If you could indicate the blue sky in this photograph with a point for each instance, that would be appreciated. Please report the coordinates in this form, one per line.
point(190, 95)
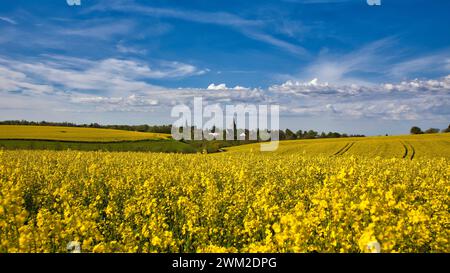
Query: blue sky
point(337, 65)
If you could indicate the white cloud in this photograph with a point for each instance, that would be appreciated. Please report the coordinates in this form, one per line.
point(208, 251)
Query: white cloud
point(108, 76)
point(223, 86)
point(109, 84)
point(407, 100)
point(115, 103)
point(129, 49)
point(11, 81)
point(117, 85)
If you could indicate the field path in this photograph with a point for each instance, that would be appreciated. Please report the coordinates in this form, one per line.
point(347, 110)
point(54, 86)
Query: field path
point(413, 151)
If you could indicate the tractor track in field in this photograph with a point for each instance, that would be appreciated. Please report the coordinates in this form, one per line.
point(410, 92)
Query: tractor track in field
point(406, 150)
point(341, 149)
point(409, 153)
point(348, 148)
point(344, 149)
point(413, 151)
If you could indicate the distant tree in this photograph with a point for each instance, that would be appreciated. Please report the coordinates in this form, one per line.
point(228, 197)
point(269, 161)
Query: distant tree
point(94, 125)
point(432, 131)
point(142, 128)
point(299, 134)
point(282, 135)
point(416, 130)
point(311, 134)
point(334, 135)
point(446, 130)
point(290, 134)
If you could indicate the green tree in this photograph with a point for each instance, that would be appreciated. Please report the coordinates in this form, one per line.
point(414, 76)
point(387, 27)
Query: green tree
point(447, 130)
point(432, 131)
point(416, 130)
point(290, 134)
point(282, 135)
point(311, 134)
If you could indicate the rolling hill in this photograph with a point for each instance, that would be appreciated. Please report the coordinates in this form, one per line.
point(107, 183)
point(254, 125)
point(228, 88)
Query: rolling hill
point(408, 146)
point(18, 132)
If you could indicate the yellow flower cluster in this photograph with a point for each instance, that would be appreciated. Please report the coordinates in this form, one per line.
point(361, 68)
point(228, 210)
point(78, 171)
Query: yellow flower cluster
point(239, 202)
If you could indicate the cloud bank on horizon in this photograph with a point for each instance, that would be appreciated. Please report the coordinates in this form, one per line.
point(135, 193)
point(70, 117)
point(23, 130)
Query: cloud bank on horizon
point(330, 65)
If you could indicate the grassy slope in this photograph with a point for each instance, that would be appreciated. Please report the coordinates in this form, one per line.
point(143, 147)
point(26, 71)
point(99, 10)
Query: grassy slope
point(73, 134)
point(165, 146)
point(408, 146)
point(16, 137)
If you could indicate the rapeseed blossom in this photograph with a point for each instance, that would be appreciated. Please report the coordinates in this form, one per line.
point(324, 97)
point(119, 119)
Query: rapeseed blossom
point(239, 202)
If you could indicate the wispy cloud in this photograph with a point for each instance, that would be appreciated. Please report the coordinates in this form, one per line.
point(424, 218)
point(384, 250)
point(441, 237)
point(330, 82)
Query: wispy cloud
point(260, 36)
point(110, 76)
point(130, 49)
point(344, 68)
point(436, 62)
point(8, 20)
point(372, 63)
point(253, 29)
point(99, 29)
point(15, 81)
point(218, 18)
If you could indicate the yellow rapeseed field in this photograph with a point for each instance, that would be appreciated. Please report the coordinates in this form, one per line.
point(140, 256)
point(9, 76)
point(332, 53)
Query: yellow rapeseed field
point(408, 146)
point(73, 134)
point(228, 202)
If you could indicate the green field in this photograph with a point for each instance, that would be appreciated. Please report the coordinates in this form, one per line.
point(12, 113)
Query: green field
point(157, 146)
point(27, 137)
point(408, 146)
point(73, 134)
point(13, 137)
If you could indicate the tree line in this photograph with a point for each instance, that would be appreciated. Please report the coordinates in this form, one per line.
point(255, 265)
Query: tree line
point(415, 130)
point(311, 134)
point(162, 129)
point(167, 129)
point(250, 135)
